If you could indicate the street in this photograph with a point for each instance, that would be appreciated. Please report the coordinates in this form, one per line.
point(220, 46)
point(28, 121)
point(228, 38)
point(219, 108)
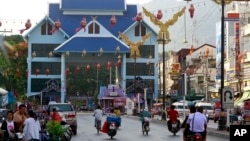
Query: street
point(130, 130)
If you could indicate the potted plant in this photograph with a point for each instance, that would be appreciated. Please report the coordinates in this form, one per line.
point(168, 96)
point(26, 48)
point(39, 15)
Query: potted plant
point(55, 130)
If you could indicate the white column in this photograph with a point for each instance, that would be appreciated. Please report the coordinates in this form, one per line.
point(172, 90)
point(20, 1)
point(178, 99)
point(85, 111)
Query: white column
point(63, 82)
point(145, 98)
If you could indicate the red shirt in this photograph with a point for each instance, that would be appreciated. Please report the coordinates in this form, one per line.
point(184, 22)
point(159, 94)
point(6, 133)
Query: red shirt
point(173, 115)
point(56, 116)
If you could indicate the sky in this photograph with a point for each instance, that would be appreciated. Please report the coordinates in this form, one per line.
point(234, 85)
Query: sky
point(14, 13)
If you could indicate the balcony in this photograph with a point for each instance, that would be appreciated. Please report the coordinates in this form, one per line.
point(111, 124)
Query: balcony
point(246, 30)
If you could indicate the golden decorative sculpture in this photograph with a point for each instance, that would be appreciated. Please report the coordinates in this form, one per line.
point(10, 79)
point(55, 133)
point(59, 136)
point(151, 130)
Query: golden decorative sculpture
point(134, 47)
point(163, 26)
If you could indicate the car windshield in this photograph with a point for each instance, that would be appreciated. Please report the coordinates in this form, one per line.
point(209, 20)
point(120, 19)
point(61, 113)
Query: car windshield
point(61, 107)
point(181, 107)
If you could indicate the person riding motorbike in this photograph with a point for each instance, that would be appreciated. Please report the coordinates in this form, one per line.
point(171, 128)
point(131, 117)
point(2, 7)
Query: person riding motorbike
point(173, 117)
point(198, 123)
point(192, 110)
point(145, 114)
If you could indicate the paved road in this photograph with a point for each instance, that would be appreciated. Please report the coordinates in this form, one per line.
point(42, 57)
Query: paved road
point(130, 130)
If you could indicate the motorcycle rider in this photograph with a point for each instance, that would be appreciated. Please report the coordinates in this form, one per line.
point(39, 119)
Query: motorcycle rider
point(192, 110)
point(145, 114)
point(198, 123)
point(173, 115)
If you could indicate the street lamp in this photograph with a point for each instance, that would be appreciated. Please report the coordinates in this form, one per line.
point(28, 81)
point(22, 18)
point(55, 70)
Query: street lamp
point(164, 41)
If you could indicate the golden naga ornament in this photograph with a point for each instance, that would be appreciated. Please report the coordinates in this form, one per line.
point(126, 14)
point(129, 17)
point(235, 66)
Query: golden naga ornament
point(134, 47)
point(164, 33)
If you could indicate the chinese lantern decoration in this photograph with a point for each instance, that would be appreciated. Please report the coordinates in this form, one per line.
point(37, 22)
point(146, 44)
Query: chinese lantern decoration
point(191, 10)
point(77, 70)
point(108, 65)
point(112, 21)
point(37, 72)
point(207, 53)
point(98, 66)
point(119, 63)
point(27, 73)
point(158, 15)
point(191, 50)
point(67, 71)
point(27, 26)
point(88, 68)
point(82, 25)
point(138, 17)
point(47, 72)
point(240, 58)
point(17, 72)
point(57, 26)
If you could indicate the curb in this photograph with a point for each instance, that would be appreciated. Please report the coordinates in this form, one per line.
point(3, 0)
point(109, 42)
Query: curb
point(210, 131)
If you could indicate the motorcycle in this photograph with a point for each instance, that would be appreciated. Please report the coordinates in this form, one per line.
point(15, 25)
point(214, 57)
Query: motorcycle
point(145, 126)
point(111, 129)
point(194, 137)
point(67, 134)
point(174, 127)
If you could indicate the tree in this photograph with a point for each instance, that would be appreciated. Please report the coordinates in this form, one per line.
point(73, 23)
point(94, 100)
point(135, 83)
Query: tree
point(13, 64)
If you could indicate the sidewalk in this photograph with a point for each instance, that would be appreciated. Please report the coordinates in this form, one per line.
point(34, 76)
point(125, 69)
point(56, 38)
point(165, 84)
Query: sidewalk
point(211, 129)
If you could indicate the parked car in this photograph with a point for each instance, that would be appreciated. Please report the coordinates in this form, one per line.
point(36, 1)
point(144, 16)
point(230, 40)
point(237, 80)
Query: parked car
point(68, 111)
point(84, 107)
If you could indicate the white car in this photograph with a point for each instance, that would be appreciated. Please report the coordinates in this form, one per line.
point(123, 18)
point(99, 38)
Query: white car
point(206, 106)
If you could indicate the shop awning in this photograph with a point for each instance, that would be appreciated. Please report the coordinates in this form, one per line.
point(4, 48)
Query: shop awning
point(246, 95)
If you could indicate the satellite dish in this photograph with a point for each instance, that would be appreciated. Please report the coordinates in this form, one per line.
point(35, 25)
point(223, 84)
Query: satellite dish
point(3, 91)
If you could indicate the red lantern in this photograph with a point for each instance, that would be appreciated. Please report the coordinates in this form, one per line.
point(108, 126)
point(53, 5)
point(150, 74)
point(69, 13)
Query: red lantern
point(77, 70)
point(47, 72)
point(17, 72)
point(27, 26)
point(191, 10)
point(67, 71)
point(191, 50)
point(119, 63)
point(108, 65)
point(112, 21)
point(37, 72)
point(27, 73)
point(139, 17)
point(159, 15)
point(82, 25)
point(98, 66)
point(207, 53)
point(88, 68)
point(57, 26)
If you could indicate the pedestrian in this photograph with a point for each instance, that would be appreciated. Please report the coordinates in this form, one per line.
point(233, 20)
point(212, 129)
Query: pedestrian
point(20, 116)
point(31, 127)
point(10, 127)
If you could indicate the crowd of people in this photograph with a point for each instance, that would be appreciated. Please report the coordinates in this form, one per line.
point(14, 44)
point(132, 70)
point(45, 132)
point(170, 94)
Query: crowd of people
point(26, 122)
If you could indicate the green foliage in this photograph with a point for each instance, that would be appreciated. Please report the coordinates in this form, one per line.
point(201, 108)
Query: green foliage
point(54, 128)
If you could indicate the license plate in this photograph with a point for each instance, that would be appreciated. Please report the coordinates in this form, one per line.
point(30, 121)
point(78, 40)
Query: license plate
point(111, 127)
point(174, 125)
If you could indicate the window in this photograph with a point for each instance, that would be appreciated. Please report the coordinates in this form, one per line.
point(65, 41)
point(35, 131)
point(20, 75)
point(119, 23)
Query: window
point(94, 28)
point(140, 30)
point(46, 28)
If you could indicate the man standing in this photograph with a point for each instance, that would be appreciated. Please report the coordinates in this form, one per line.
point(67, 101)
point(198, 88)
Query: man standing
point(19, 117)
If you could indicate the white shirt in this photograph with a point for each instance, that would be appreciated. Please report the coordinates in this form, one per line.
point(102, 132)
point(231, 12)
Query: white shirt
point(31, 129)
point(10, 126)
point(199, 121)
point(98, 114)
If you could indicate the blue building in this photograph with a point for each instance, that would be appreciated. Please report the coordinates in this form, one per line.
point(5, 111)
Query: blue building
point(51, 53)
